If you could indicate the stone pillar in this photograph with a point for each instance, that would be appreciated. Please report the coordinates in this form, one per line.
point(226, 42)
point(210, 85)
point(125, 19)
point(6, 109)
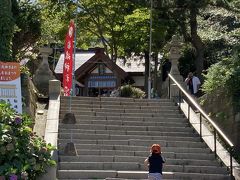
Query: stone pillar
point(173, 57)
point(237, 173)
point(54, 88)
point(43, 74)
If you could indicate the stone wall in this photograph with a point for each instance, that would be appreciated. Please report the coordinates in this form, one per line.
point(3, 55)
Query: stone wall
point(29, 95)
point(221, 110)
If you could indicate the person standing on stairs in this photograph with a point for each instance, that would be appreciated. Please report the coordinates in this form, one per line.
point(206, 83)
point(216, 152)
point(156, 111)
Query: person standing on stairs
point(193, 84)
point(154, 163)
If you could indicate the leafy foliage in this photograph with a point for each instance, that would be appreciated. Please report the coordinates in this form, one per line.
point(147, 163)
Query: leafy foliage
point(224, 74)
point(27, 28)
point(137, 22)
point(104, 19)
point(22, 153)
point(129, 91)
point(186, 62)
point(6, 30)
point(19, 29)
point(220, 30)
point(55, 20)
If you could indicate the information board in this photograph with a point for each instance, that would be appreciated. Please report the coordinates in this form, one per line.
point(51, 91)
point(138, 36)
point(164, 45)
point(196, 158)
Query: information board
point(10, 84)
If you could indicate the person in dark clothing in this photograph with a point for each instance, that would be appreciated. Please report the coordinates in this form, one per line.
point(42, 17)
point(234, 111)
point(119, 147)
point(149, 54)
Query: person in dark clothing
point(193, 83)
point(166, 69)
point(155, 163)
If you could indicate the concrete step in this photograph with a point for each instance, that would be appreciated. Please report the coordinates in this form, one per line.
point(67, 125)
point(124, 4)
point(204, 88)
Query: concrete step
point(200, 176)
point(98, 174)
point(125, 115)
point(136, 166)
point(126, 128)
point(122, 110)
point(122, 132)
point(124, 137)
point(75, 102)
point(172, 117)
point(103, 149)
point(147, 109)
point(109, 99)
point(86, 174)
point(83, 105)
point(133, 123)
point(170, 159)
point(138, 119)
point(171, 155)
point(94, 99)
point(136, 142)
point(164, 105)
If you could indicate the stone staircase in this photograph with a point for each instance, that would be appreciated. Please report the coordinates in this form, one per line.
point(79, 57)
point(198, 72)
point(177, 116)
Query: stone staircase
point(113, 135)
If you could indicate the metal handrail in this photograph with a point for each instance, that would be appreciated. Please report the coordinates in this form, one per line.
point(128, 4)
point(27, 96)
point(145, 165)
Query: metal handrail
point(203, 113)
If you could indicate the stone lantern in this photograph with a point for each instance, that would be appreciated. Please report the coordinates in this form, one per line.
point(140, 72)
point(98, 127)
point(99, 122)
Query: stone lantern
point(174, 55)
point(43, 74)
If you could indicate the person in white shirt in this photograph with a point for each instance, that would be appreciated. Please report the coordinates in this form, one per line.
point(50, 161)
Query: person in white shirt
point(193, 83)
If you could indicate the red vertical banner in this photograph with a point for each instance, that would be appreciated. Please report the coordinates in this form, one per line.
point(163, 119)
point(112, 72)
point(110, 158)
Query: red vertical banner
point(68, 60)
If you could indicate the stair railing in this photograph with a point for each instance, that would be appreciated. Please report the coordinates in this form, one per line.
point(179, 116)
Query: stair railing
point(216, 129)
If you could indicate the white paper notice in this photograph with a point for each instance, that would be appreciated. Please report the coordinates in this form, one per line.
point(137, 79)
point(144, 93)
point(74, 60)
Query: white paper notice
point(10, 84)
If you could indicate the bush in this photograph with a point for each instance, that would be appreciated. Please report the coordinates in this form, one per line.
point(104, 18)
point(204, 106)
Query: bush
point(129, 91)
point(224, 74)
point(126, 91)
point(23, 155)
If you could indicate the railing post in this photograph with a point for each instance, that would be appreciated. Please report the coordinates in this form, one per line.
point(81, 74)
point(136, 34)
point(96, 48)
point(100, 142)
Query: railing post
point(169, 86)
point(188, 112)
point(215, 142)
point(179, 99)
point(200, 126)
point(231, 166)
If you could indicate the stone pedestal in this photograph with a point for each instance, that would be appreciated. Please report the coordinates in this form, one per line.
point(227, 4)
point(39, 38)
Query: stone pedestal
point(54, 88)
point(237, 173)
point(70, 149)
point(43, 74)
point(69, 118)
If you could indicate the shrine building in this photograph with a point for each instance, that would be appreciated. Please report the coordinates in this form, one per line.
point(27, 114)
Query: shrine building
point(96, 74)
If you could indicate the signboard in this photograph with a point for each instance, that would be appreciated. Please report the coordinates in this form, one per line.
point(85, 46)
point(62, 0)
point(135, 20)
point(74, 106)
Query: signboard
point(68, 60)
point(10, 84)
point(105, 81)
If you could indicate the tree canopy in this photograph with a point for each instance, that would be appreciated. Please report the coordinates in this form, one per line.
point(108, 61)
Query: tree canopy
point(122, 27)
point(6, 30)
point(27, 29)
point(19, 28)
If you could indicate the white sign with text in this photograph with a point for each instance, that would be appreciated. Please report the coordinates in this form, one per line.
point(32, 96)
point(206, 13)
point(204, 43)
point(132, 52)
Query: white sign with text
point(10, 84)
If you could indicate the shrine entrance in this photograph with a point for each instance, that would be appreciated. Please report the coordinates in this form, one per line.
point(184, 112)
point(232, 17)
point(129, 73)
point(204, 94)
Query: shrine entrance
point(101, 85)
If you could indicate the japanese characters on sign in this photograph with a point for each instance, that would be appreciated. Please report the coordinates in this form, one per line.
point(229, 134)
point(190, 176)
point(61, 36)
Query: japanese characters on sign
point(68, 60)
point(10, 85)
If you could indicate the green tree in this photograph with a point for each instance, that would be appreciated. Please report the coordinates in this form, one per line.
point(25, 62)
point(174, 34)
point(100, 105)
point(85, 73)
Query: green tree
point(224, 74)
point(6, 30)
point(19, 28)
point(99, 23)
point(137, 29)
point(55, 19)
point(104, 19)
point(185, 13)
point(224, 34)
point(27, 29)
